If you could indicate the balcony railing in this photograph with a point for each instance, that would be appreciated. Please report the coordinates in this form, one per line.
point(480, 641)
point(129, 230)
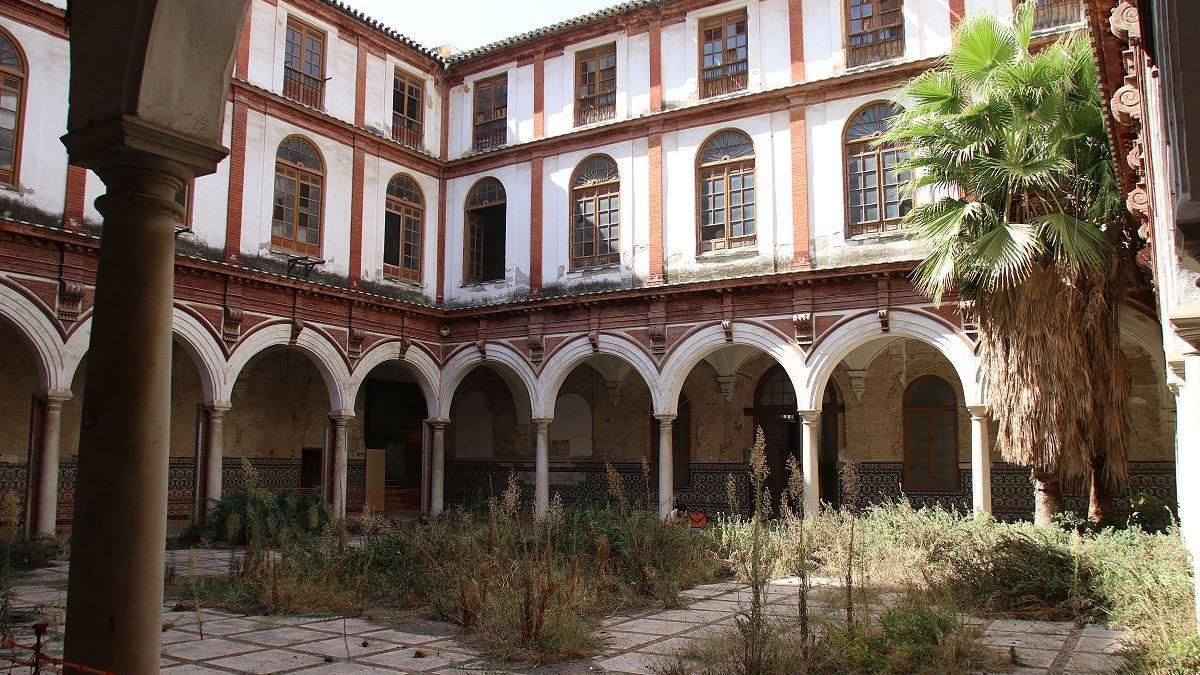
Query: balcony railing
point(492, 134)
point(1051, 14)
point(724, 79)
point(303, 88)
point(874, 52)
point(409, 134)
point(598, 109)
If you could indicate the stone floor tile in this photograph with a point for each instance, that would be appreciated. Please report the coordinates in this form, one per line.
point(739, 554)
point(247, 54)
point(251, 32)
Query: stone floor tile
point(350, 647)
point(285, 635)
point(669, 647)
point(619, 642)
point(401, 637)
point(1093, 663)
point(230, 626)
point(1039, 627)
point(1028, 640)
point(418, 659)
point(635, 663)
point(268, 661)
point(727, 606)
point(171, 636)
point(689, 615)
point(349, 626)
point(348, 668)
point(1036, 658)
point(1099, 645)
point(191, 669)
point(652, 627)
point(454, 645)
point(208, 648)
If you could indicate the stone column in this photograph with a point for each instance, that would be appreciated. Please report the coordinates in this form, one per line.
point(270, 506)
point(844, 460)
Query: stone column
point(115, 589)
point(666, 465)
point(541, 467)
point(810, 421)
point(45, 483)
point(981, 461)
point(213, 456)
point(339, 421)
point(437, 480)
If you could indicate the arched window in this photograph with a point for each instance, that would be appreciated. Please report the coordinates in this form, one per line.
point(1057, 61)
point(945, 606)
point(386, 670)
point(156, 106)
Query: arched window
point(299, 183)
point(930, 436)
point(775, 391)
point(725, 173)
point(875, 201)
point(402, 228)
point(486, 213)
point(12, 107)
point(596, 213)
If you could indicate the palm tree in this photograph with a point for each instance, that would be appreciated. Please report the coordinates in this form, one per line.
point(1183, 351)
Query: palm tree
point(1024, 220)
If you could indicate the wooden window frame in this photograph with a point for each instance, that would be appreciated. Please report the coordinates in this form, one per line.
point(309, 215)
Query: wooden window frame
point(594, 193)
point(296, 87)
point(601, 104)
point(407, 130)
point(734, 75)
point(293, 245)
point(13, 176)
point(727, 168)
point(409, 212)
point(877, 51)
point(905, 409)
point(863, 147)
point(473, 233)
point(189, 198)
point(490, 128)
point(1052, 15)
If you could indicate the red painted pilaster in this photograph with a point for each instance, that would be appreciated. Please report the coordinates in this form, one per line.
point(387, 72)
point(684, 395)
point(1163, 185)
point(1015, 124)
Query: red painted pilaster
point(654, 154)
point(237, 184)
point(958, 10)
point(356, 216)
point(76, 195)
point(796, 26)
point(539, 96)
point(535, 227)
point(360, 88)
point(441, 240)
point(801, 238)
point(242, 63)
point(656, 102)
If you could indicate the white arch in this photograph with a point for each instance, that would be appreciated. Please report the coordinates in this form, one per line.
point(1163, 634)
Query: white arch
point(419, 363)
point(208, 356)
point(512, 363)
point(700, 344)
point(579, 350)
point(324, 355)
point(40, 333)
point(902, 323)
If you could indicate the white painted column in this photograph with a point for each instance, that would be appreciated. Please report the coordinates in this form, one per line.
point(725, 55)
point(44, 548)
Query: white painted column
point(810, 421)
point(981, 461)
point(437, 471)
point(541, 467)
point(46, 499)
point(340, 463)
point(666, 465)
point(214, 455)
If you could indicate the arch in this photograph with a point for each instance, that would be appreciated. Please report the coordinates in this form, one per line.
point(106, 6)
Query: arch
point(323, 353)
point(485, 224)
point(930, 409)
point(579, 350)
point(206, 353)
point(595, 217)
point(725, 192)
point(42, 336)
point(685, 356)
point(403, 228)
point(512, 367)
point(14, 78)
point(873, 206)
point(298, 213)
point(853, 333)
point(420, 365)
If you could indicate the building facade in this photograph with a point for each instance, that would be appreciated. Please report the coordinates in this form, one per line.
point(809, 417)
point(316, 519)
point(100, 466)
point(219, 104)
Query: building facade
point(633, 238)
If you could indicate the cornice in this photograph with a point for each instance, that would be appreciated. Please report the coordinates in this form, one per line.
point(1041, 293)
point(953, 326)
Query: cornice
point(39, 15)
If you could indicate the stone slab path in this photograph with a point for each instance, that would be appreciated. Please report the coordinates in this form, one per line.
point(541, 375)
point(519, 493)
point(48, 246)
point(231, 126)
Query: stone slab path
point(634, 643)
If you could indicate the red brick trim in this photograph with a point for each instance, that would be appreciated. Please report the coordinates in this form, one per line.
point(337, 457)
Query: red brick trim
point(360, 87)
point(356, 217)
point(654, 154)
point(796, 25)
point(237, 184)
point(76, 197)
point(535, 227)
point(539, 96)
point(39, 15)
point(801, 238)
point(444, 137)
point(958, 10)
point(242, 70)
point(655, 66)
point(441, 241)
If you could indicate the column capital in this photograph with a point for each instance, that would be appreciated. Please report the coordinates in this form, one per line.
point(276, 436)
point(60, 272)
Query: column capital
point(666, 418)
point(541, 423)
point(438, 424)
point(56, 396)
point(340, 417)
point(809, 416)
point(217, 408)
point(978, 411)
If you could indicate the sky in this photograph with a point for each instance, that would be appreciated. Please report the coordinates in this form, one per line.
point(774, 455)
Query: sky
point(467, 24)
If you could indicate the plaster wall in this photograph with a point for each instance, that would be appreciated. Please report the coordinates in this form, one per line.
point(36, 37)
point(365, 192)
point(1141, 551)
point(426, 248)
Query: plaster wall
point(462, 106)
point(515, 178)
point(186, 399)
point(280, 406)
point(376, 175)
point(926, 35)
point(210, 196)
point(19, 372)
point(340, 67)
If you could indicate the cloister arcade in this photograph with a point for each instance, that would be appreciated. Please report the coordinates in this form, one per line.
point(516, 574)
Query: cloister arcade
point(394, 430)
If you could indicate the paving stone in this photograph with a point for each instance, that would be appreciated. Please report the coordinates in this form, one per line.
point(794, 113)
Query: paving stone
point(208, 648)
point(407, 659)
point(689, 615)
point(652, 627)
point(401, 637)
point(1038, 658)
point(229, 626)
point(634, 662)
point(171, 636)
point(618, 641)
point(670, 646)
point(1099, 645)
point(348, 668)
point(717, 605)
point(1039, 627)
point(268, 661)
point(1094, 663)
point(1027, 640)
point(350, 647)
point(287, 635)
point(454, 645)
point(191, 669)
point(349, 626)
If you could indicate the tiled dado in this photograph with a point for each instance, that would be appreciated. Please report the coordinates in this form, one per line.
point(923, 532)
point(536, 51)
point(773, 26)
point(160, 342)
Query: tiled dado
point(283, 473)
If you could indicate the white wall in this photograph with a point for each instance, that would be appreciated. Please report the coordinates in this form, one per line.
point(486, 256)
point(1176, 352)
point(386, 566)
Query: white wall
point(42, 174)
point(340, 67)
point(515, 179)
point(926, 34)
point(210, 196)
point(462, 106)
point(377, 173)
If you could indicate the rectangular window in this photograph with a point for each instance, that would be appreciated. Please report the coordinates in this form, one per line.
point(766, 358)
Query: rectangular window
point(408, 96)
point(596, 85)
point(402, 242)
point(727, 210)
point(491, 113)
point(724, 54)
point(874, 31)
point(303, 64)
point(1052, 14)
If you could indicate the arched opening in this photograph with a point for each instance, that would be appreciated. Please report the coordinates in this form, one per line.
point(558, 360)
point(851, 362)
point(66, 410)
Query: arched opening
point(595, 213)
point(726, 210)
point(279, 425)
point(876, 201)
point(12, 107)
point(296, 217)
point(403, 228)
point(19, 373)
point(930, 438)
point(489, 435)
point(390, 438)
point(485, 234)
point(187, 429)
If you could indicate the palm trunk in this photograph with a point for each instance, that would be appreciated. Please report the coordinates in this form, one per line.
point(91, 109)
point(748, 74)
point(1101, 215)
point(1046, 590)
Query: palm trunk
point(1100, 507)
point(1047, 497)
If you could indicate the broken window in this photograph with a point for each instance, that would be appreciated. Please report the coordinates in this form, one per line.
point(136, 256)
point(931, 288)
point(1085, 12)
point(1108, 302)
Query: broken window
point(485, 232)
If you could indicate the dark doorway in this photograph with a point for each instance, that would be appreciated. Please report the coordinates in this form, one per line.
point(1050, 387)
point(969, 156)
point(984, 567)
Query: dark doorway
point(486, 216)
point(775, 412)
point(394, 413)
point(827, 455)
point(310, 468)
